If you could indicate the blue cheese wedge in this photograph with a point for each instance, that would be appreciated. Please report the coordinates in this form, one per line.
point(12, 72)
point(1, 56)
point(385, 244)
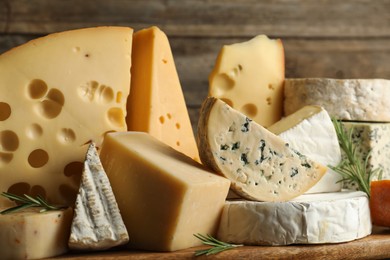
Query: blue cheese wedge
point(260, 165)
point(97, 223)
point(312, 219)
point(311, 132)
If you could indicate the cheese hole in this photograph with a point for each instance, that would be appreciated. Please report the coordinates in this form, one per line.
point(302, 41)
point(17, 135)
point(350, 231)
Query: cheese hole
point(9, 141)
point(271, 87)
point(119, 97)
point(87, 91)
point(34, 131)
point(106, 94)
point(48, 109)
point(38, 190)
point(177, 125)
point(115, 117)
point(37, 89)
point(222, 83)
point(66, 136)
point(269, 101)
point(68, 192)
point(5, 111)
point(56, 96)
point(164, 61)
point(249, 110)
point(73, 168)
point(38, 158)
point(76, 49)
point(227, 101)
point(169, 115)
point(178, 143)
point(161, 119)
point(19, 188)
point(5, 158)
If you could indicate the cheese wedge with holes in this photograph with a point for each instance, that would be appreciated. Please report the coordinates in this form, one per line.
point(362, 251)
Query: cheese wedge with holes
point(312, 219)
point(156, 102)
point(58, 93)
point(97, 223)
point(29, 234)
point(249, 77)
point(260, 165)
point(164, 196)
point(311, 132)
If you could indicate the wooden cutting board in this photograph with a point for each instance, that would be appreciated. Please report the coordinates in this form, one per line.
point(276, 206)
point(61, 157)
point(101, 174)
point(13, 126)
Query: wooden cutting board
point(376, 246)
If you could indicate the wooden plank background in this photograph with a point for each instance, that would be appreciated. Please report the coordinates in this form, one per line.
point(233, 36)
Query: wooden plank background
point(327, 38)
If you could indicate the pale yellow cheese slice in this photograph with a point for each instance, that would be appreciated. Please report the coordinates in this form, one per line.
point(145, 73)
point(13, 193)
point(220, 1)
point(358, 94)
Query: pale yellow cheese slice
point(57, 93)
point(156, 102)
point(249, 77)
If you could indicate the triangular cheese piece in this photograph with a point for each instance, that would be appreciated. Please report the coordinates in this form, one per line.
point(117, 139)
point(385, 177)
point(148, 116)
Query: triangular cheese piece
point(156, 102)
point(97, 222)
point(260, 164)
point(57, 93)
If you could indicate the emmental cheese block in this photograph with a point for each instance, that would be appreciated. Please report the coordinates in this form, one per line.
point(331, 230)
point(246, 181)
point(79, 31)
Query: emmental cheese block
point(249, 77)
point(344, 99)
point(97, 222)
point(57, 93)
point(313, 219)
point(156, 103)
point(164, 196)
point(260, 164)
point(29, 234)
point(310, 131)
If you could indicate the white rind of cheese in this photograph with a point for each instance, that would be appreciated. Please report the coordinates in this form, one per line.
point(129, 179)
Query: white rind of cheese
point(260, 165)
point(97, 223)
point(311, 132)
point(29, 234)
point(311, 219)
point(347, 99)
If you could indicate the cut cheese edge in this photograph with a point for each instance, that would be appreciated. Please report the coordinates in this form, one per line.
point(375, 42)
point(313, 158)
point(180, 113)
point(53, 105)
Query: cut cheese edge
point(260, 165)
point(310, 131)
point(164, 196)
point(156, 103)
point(58, 93)
point(312, 219)
point(97, 223)
point(249, 77)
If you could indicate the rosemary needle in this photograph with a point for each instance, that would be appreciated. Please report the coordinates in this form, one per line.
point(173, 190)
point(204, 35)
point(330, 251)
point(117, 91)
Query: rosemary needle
point(217, 246)
point(27, 201)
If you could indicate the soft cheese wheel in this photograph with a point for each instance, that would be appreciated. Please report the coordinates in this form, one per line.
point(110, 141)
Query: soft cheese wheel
point(156, 103)
point(310, 131)
point(56, 94)
point(29, 234)
point(249, 77)
point(164, 196)
point(260, 165)
point(347, 99)
point(312, 219)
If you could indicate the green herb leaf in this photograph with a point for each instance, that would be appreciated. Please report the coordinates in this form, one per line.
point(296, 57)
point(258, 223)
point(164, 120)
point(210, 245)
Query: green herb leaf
point(27, 201)
point(217, 246)
point(353, 169)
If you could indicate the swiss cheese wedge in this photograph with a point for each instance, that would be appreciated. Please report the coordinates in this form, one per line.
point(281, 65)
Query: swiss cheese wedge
point(57, 93)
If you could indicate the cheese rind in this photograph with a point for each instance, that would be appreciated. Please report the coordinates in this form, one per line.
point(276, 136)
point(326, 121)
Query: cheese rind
point(156, 103)
point(311, 219)
point(347, 99)
point(97, 222)
point(59, 92)
point(260, 164)
point(164, 196)
point(32, 235)
point(249, 77)
point(311, 132)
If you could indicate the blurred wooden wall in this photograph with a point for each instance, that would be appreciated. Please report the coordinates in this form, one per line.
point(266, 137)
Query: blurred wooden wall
point(322, 38)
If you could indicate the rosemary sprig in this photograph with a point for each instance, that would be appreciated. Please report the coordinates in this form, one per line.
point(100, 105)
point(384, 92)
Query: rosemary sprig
point(217, 246)
point(27, 202)
point(353, 169)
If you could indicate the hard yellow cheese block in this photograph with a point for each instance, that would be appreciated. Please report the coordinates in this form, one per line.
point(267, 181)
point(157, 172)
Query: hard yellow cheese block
point(32, 235)
point(156, 102)
point(164, 196)
point(249, 77)
point(57, 93)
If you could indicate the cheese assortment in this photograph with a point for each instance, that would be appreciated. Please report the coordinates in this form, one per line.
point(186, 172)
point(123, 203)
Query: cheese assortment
point(249, 77)
point(260, 164)
point(57, 93)
point(347, 99)
point(311, 132)
point(97, 223)
point(156, 103)
point(311, 219)
point(164, 196)
point(29, 234)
